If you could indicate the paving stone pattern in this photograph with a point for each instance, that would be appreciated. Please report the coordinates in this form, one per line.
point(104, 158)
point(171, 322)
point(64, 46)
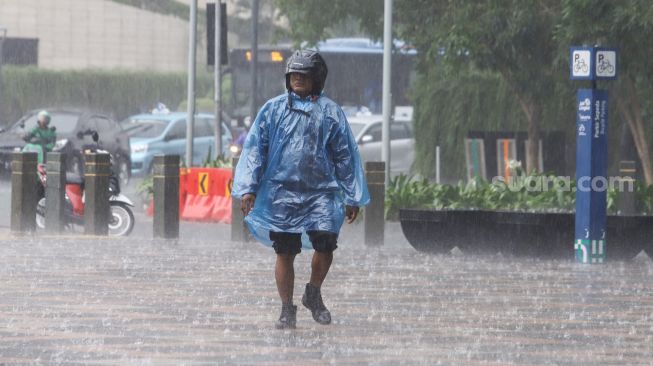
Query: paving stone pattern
point(207, 301)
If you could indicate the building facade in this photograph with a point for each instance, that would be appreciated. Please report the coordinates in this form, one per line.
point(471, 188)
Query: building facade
point(99, 34)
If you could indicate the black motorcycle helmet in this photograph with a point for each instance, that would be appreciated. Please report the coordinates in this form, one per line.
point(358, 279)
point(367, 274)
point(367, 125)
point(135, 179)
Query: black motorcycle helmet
point(310, 63)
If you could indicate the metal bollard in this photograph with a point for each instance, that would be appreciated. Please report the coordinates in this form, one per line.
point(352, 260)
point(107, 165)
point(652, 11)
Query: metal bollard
point(239, 230)
point(166, 197)
point(24, 188)
point(55, 192)
point(626, 200)
point(96, 206)
point(374, 216)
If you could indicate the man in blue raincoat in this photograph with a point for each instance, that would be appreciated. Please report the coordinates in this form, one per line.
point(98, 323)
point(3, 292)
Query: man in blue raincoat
point(300, 172)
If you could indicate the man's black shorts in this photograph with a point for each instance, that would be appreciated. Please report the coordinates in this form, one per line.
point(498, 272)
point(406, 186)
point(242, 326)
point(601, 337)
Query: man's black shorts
point(291, 243)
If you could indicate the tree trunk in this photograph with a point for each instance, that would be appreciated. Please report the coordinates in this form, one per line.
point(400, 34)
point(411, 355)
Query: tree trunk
point(534, 137)
point(533, 113)
point(629, 106)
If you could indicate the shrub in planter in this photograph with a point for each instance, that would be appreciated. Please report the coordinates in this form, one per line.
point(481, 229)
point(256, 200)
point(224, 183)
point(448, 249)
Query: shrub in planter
point(511, 218)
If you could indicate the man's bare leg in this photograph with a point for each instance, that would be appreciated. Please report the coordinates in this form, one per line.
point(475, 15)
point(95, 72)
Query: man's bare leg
point(284, 273)
point(320, 265)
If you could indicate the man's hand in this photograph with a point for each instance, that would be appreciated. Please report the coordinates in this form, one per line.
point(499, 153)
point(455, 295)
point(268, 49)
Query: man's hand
point(247, 203)
point(351, 212)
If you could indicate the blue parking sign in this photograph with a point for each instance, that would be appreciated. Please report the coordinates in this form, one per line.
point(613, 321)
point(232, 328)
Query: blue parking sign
point(581, 63)
point(605, 61)
point(592, 63)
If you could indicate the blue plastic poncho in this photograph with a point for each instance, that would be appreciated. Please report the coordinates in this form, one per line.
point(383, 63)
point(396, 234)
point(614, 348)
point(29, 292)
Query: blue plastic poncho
point(301, 161)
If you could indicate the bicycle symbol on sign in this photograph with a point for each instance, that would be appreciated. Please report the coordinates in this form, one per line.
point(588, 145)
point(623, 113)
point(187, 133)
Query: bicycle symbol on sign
point(580, 65)
point(604, 67)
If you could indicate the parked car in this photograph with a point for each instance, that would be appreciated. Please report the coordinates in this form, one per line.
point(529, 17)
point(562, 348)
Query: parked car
point(165, 133)
point(367, 130)
point(71, 126)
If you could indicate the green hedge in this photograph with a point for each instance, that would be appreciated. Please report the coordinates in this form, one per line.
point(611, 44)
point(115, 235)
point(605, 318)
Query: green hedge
point(116, 93)
point(523, 193)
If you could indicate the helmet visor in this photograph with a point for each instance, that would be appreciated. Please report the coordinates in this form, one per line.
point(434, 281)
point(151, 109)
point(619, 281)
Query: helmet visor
point(299, 71)
point(300, 65)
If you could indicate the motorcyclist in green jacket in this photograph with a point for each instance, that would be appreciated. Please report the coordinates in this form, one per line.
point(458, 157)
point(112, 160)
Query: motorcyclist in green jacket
point(42, 134)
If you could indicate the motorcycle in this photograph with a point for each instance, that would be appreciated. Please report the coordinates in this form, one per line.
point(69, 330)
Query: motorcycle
point(235, 150)
point(121, 217)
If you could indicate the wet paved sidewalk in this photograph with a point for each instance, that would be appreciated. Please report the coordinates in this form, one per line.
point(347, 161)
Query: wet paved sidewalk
point(208, 301)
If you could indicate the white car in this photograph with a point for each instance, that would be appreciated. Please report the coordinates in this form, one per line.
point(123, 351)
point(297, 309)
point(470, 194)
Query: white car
point(368, 131)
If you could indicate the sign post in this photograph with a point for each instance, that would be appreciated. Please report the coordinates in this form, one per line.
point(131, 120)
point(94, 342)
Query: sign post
point(591, 63)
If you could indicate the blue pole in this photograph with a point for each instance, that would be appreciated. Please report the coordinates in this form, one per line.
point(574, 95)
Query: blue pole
point(591, 63)
point(591, 175)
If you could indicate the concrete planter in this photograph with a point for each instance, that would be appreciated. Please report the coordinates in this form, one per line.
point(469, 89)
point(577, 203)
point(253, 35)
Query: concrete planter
point(540, 235)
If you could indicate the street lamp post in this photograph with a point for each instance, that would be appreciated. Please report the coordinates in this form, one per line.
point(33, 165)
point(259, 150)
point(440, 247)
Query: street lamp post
point(192, 54)
point(217, 80)
point(3, 35)
point(254, 66)
point(387, 96)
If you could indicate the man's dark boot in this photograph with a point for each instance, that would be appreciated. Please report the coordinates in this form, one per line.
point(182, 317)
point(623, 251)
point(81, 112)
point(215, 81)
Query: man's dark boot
point(288, 318)
point(312, 299)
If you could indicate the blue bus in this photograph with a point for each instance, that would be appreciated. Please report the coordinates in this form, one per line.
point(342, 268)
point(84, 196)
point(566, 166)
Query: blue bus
point(354, 79)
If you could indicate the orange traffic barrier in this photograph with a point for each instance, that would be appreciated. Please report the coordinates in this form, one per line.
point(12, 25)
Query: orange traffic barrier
point(183, 175)
point(198, 208)
point(222, 209)
point(207, 195)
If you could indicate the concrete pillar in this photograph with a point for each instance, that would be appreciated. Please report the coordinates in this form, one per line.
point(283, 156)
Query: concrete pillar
point(626, 197)
point(374, 217)
point(166, 196)
point(96, 206)
point(55, 192)
point(24, 188)
point(239, 230)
